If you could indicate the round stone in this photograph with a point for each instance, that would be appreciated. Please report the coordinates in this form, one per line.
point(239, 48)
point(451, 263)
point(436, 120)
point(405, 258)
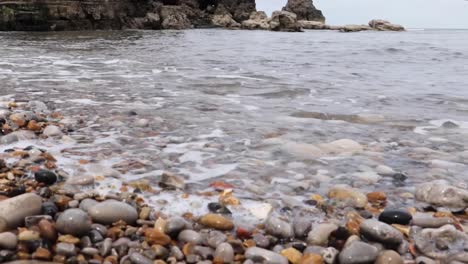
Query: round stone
point(389, 257)
point(358, 253)
point(45, 176)
point(174, 226)
point(8, 240)
point(279, 228)
point(190, 236)
point(400, 217)
point(265, 256)
point(224, 253)
point(112, 211)
point(74, 222)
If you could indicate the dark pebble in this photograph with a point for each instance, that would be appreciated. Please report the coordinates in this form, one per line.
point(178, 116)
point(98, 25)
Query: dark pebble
point(218, 208)
point(46, 177)
point(49, 208)
point(16, 191)
point(299, 246)
point(395, 217)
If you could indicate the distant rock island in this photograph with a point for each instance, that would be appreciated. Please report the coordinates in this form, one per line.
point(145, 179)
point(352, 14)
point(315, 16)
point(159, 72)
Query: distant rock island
point(59, 15)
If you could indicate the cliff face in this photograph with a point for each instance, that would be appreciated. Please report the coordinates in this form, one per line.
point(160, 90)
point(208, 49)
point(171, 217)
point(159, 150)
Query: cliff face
point(120, 14)
point(305, 10)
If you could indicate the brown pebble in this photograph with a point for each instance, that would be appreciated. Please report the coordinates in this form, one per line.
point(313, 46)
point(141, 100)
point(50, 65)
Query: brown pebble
point(216, 221)
point(59, 259)
point(33, 126)
point(47, 230)
point(69, 239)
point(23, 255)
point(144, 213)
point(111, 259)
point(311, 259)
point(154, 237)
point(376, 197)
point(42, 254)
point(292, 254)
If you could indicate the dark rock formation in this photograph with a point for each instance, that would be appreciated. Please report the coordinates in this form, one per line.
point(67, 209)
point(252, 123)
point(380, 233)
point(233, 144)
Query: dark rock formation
point(30, 15)
point(305, 10)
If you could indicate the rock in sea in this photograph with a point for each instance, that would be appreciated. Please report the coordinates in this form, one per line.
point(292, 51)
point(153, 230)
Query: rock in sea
point(74, 222)
point(265, 256)
point(111, 211)
point(358, 253)
point(440, 194)
point(15, 209)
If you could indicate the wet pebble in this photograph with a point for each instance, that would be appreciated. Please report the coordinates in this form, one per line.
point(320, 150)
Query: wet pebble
point(14, 210)
point(174, 226)
point(358, 253)
point(29, 235)
point(380, 232)
point(45, 176)
point(279, 228)
point(172, 181)
point(320, 234)
point(400, 217)
point(440, 194)
point(49, 208)
point(302, 226)
point(8, 240)
point(257, 254)
point(190, 236)
point(87, 203)
point(90, 251)
point(224, 253)
point(47, 230)
point(154, 237)
point(218, 208)
point(215, 237)
point(106, 247)
point(261, 240)
point(348, 196)
point(441, 242)
point(111, 211)
point(293, 255)
point(428, 221)
point(330, 255)
point(74, 222)
point(389, 257)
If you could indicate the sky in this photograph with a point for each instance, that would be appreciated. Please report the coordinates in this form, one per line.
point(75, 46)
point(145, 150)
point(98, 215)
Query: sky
point(409, 13)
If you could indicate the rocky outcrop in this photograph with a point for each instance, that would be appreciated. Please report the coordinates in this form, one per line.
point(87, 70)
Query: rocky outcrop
point(284, 21)
point(383, 25)
point(257, 20)
point(121, 14)
point(354, 28)
point(305, 10)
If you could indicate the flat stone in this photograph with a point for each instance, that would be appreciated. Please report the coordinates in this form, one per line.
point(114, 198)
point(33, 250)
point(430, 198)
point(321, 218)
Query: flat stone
point(257, 254)
point(74, 222)
point(8, 240)
point(380, 232)
point(358, 253)
point(320, 233)
point(389, 257)
point(442, 242)
point(112, 211)
point(428, 221)
point(15, 210)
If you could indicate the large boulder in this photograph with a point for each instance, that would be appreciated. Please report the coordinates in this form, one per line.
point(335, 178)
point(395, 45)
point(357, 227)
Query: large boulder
point(257, 20)
point(284, 21)
point(223, 18)
point(240, 9)
point(173, 17)
point(384, 25)
point(305, 10)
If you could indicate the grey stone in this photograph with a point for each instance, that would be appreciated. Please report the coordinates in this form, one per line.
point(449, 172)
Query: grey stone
point(440, 194)
point(440, 243)
point(15, 210)
point(320, 233)
point(8, 240)
point(106, 247)
point(175, 225)
point(215, 238)
point(190, 236)
point(66, 249)
point(257, 254)
point(279, 228)
point(330, 255)
point(358, 253)
point(74, 222)
point(380, 232)
point(138, 258)
point(112, 211)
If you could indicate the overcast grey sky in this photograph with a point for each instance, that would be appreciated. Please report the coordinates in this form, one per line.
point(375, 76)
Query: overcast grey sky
point(410, 13)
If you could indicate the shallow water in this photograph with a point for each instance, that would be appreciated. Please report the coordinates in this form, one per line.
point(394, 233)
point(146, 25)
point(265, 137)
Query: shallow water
point(247, 107)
